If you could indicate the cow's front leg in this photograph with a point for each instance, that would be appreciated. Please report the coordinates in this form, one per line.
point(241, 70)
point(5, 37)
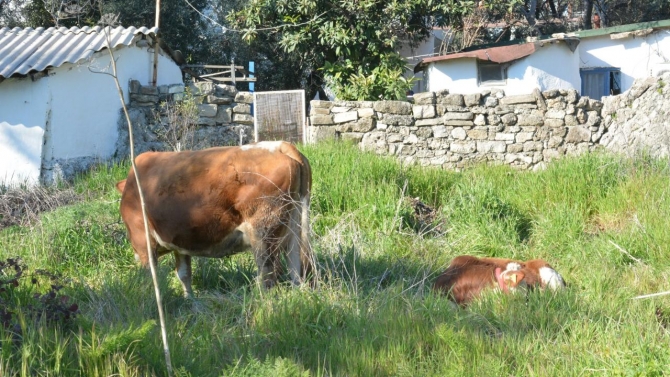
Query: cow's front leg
point(183, 270)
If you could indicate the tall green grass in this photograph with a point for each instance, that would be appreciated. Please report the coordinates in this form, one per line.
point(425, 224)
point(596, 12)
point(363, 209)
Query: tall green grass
point(600, 220)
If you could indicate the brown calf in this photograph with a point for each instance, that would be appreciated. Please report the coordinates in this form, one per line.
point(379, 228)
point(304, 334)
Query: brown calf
point(467, 276)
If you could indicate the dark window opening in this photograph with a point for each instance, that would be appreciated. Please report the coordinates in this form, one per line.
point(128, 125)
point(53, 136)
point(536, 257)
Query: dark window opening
point(491, 73)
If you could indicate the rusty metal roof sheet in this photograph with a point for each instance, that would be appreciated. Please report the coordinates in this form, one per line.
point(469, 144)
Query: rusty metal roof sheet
point(501, 54)
point(28, 50)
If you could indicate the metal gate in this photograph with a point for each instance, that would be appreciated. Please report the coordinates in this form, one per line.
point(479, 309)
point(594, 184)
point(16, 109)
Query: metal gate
point(279, 116)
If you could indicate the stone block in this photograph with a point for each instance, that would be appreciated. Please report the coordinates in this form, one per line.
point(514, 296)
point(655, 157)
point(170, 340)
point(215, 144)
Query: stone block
point(514, 148)
point(522, 137)
point(428, 122)
point(578, 134)
point(345, 117)
point(243, 119)
point(322, 133)
point(451, 100)
point(531, 146)
point(530, 120)
point(224, 90)
point(224, 114)
point(519, 99)
point(459, 133)
point(318, 111)
point(364, 125)
point(176, 88)
point(398, 120)
point(426, 98)
point(393, 107)
point(509, 119)
point(244, 97)
point(367, 112)
point(459, 123)
point(555, 114)
point(458, 116)
point(441, 131)
point(423, 111)
point(491, 101)
point(463, 147)
point(203, 88)
point(480, 120)
point(472, 99)
point(478, 134)
point(340, 109)
point(491, 146)
point(134, 87)
point(207, 110)
point(503, 136)
point(321, 120)
point(216, 100)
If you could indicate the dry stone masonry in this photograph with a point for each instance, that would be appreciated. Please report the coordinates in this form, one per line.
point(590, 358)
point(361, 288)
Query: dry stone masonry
point(453, 130)
point(224, 116)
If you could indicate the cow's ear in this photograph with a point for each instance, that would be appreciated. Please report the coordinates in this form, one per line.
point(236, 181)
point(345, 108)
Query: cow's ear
point(121, 185)
point(514, 278)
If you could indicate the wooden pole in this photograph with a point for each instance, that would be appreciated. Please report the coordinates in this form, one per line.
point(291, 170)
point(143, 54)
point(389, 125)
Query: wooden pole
point(154, 79)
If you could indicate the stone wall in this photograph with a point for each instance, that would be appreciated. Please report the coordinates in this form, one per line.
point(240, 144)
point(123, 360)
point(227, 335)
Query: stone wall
point(639, 119)
point(224, 117)
point(454, 130)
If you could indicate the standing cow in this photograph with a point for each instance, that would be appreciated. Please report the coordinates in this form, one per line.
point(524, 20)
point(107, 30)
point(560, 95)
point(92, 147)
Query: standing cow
point(221, 201)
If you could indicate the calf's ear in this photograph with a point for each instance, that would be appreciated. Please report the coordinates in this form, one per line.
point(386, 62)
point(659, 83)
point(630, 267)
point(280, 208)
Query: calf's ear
point(120, 185)
point(514, 278)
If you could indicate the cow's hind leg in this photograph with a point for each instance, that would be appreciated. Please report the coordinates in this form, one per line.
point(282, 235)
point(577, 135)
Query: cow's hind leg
point(183, 270)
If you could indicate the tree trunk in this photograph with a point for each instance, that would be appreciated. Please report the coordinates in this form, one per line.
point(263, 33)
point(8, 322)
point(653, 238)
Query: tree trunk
point(588, 10)
point(552, 6)
point(602, 11)
point(531, 7)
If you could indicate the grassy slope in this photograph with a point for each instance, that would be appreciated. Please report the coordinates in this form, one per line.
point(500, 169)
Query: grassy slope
point(601, 221)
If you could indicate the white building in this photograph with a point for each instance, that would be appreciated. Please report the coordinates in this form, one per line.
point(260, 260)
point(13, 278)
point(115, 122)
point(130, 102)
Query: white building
point(595, 62)
point(59, 106)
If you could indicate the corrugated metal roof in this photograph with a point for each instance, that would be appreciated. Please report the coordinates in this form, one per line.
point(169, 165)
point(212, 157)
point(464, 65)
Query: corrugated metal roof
point(33, 50)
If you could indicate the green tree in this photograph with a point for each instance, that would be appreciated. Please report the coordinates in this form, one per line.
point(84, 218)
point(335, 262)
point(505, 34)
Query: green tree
point(350, 44)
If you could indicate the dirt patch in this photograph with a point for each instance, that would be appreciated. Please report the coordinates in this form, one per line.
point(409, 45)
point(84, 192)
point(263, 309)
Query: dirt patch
point(609, 223)
point(23, 206)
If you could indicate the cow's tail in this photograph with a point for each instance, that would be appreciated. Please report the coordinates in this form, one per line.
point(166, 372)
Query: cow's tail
point(308, 262)
point(308, 270)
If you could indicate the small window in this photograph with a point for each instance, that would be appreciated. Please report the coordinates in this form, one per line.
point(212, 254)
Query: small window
point(491, 73)
point(599, 82)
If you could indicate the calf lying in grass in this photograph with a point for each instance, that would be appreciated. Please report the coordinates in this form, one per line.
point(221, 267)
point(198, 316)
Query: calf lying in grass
point(467, 276)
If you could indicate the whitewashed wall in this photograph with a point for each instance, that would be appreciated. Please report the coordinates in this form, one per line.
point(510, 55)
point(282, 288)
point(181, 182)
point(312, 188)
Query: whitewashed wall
point(551, 67)
point(636, 56)
point(71, 114)
point(554, 66)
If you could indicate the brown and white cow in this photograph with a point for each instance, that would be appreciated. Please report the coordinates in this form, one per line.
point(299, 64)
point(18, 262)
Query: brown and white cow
point(467, 276)
point(221, 201)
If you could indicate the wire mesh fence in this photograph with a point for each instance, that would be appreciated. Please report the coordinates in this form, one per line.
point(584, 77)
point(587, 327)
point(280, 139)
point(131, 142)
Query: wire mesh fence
point(280, 116)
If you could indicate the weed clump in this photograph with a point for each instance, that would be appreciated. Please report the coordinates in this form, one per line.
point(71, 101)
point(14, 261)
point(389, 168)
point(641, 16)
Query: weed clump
point(33, 303)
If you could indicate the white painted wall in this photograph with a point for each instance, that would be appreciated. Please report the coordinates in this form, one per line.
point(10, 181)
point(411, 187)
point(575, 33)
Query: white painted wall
point(78, 109)
point(636, 57)
point(554, 66)
point(551, 67)
point(457, 75)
